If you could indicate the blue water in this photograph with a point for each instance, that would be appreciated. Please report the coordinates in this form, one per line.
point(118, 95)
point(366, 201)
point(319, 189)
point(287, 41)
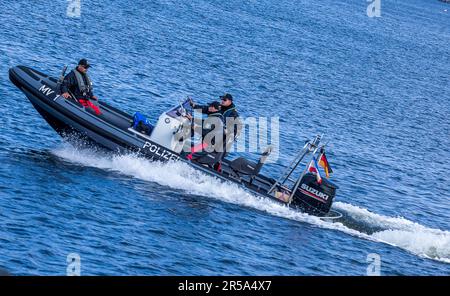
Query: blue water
point(379, 88)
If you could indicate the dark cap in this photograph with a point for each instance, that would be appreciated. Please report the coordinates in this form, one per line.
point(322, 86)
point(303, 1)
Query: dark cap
point(215, 104)
point(226, 97)
point(84, 63)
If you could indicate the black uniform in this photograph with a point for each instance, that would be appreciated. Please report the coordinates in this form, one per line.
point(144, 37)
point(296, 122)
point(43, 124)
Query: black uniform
point(207, 129)
point(70, 83)
point(200, 127)
point(231, 112)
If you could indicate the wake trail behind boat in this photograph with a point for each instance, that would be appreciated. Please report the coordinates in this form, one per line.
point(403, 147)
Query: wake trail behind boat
point(359, 222)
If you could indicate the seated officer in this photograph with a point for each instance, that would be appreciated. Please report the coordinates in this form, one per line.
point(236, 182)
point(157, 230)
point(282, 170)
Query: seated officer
point(79, 84)
point(212, 131)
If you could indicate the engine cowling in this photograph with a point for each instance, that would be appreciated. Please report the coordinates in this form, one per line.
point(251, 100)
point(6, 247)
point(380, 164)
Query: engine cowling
point(314, 198)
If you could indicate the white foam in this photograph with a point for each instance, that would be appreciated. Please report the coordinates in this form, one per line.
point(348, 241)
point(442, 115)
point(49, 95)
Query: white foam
point(400, 232)
point(411, 236)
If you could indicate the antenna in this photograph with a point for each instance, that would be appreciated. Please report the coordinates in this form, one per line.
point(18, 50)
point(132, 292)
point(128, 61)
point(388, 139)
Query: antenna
point(61, 79)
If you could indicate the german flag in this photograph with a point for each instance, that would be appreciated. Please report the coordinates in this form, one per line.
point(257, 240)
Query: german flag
point(323, 162)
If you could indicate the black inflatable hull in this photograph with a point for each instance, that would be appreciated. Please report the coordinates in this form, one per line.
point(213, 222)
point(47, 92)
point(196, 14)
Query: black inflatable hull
point(74, 122)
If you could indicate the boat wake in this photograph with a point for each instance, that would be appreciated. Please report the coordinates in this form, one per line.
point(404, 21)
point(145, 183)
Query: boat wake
point(400, 232)
point(413, 237)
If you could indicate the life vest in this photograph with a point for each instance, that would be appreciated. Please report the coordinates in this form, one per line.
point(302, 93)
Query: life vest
point(208, 123)
point(217, 115)
point(228, 111)
point(84, 87)
point(237, 131)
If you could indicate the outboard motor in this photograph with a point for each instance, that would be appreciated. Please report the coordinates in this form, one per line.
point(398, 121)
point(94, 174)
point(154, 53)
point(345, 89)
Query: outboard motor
point(305, 192)
point(312, 197)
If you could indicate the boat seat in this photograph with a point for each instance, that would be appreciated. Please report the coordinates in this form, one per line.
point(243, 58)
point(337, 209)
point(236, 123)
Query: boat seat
point(209, 159)
point(242, 166)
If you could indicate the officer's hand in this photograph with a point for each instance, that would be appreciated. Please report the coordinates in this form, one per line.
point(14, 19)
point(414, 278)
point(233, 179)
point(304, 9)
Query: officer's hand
point(94, 98)
point(191, 102)
point(66, 95)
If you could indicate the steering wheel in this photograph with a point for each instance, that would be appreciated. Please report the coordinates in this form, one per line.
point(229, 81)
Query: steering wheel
point(186, 111)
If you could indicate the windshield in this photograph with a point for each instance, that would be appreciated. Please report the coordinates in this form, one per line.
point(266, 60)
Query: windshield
point(180, 109)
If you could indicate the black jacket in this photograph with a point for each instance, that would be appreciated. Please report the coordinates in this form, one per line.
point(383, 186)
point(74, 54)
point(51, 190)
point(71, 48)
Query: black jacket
point(231, 112)
point(70, 83)
point(203, 108)
point(207, 129)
